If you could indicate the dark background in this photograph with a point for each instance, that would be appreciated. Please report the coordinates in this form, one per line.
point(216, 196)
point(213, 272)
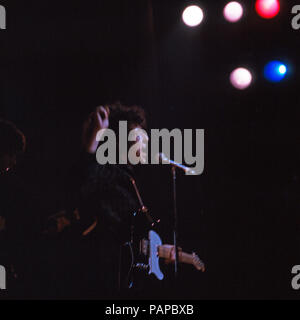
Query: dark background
point(58, 59)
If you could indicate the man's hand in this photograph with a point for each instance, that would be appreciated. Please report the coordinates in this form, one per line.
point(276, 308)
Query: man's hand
point(96, 121)
point(171, 253)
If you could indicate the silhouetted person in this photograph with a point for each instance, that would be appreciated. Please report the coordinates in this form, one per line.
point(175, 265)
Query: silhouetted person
point(14, 219)
point(106, 201)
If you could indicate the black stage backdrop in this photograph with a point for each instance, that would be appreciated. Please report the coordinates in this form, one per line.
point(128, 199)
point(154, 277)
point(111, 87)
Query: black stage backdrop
point(58, 59)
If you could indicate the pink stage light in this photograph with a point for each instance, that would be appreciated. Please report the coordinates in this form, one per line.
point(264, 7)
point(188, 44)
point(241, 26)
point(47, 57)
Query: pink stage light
point(233, 11)
point(241, 78)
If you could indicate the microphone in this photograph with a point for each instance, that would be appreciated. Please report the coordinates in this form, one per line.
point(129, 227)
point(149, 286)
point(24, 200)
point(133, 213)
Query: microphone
point(164, 159)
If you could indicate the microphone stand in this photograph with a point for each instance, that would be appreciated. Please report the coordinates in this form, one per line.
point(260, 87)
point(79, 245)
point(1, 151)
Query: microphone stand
point(175, 222)
point(175, 165)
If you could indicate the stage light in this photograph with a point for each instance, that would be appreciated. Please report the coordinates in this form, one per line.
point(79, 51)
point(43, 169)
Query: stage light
point(241, 78)
point(233, 11)
point(267, 8)
point(282, 69)
point(192, 16)
point(275, 71)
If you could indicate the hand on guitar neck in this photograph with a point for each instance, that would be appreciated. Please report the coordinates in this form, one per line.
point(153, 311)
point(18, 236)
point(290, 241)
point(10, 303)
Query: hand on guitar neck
point(167, 252)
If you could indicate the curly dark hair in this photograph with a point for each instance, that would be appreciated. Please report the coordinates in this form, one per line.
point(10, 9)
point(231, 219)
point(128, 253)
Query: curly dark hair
point(12, 140)
point(134, 115)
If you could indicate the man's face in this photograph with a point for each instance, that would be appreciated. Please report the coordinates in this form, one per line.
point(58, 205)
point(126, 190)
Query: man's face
point(142, 140)
point(7, 162)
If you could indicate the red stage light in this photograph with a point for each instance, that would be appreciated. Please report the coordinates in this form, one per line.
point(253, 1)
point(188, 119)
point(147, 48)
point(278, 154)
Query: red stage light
point(267, 8)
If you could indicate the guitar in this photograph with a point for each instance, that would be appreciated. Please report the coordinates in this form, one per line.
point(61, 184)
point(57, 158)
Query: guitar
point(146, 258)
point(158, 250)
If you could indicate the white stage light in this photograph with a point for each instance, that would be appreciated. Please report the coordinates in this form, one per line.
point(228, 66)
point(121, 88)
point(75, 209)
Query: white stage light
point(192, 16)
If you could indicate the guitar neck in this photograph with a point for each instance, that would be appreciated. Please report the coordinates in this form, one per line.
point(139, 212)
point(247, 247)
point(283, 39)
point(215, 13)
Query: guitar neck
point(185, 258)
